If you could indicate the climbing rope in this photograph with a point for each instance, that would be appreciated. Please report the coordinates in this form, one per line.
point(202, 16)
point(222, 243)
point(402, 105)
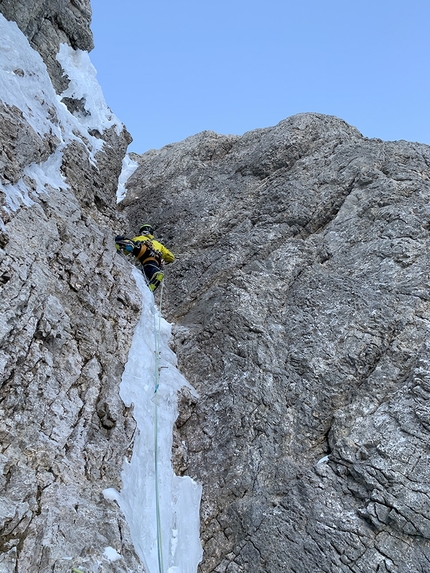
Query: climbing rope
point(157, 351)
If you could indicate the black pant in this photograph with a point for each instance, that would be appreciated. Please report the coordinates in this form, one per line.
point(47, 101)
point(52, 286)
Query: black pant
point(150, 269)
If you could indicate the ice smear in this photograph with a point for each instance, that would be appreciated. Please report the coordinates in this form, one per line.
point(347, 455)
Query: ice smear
point(84, 86)
point(24, 80)
point(179, 496)
point(43, 174)
point(25, 83)
point(128, 168)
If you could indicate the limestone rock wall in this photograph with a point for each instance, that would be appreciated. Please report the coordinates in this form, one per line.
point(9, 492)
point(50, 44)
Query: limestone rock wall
point(301, 301)
point(68, 307)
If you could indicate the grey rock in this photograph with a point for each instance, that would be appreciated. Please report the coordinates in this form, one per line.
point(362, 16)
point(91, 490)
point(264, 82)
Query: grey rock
point(301, 301)
point(68, 308)
point(95, 184)
point(20, 145)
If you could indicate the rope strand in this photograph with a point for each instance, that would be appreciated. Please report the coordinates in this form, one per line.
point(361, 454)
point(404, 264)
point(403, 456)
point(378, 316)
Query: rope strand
point(157, 347)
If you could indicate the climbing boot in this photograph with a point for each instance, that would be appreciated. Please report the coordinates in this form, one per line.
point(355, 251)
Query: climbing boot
point(155, 281)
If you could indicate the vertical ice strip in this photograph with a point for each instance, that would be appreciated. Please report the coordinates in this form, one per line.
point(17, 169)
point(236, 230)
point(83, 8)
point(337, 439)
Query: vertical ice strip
point(179, 497)
point(128, 168)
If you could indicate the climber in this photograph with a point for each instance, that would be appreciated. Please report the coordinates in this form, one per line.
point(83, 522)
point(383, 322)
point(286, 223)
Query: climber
point(150, 253)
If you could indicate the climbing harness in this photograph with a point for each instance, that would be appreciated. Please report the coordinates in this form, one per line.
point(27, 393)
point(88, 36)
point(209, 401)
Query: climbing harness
point(157, 368)
point(144, 251)
point(147, 252)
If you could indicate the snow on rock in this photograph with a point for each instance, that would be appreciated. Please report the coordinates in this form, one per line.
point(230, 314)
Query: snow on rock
point(25, 83)
point(43, 175)
point(111, 493)
point(84, 86)
point(111, 554)
point(47, 124)
point(179, 497)
point(24, 80)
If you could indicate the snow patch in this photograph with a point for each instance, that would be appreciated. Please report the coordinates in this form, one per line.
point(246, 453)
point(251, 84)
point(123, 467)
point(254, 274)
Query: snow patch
point(110, 554)
point(25, 83)
point(43, 175)
point(24, 79)
point(111, 494)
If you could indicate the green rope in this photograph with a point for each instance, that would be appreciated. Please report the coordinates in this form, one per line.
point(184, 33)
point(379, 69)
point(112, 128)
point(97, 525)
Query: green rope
point(157, 334)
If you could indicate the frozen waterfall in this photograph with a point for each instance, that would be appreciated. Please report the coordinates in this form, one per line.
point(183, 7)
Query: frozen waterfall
point(179, 497)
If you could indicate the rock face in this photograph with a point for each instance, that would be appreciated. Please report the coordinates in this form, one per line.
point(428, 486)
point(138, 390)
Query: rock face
point(68, 307)
point(301, 301)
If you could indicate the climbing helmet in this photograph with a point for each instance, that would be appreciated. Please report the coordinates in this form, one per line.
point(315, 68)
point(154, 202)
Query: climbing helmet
point(146, 229)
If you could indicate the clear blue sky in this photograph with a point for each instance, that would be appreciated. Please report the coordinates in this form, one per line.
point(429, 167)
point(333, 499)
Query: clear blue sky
point(172, 68)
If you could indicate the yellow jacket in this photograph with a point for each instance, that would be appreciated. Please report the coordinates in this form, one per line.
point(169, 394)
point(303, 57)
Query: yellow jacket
point(166, 254)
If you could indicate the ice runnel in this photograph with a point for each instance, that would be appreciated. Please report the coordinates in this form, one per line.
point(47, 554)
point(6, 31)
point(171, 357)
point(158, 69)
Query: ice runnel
point(179, 497)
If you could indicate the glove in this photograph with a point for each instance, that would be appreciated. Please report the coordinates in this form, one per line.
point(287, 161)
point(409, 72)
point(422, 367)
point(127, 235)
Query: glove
point(124, 244)
point(118, 238)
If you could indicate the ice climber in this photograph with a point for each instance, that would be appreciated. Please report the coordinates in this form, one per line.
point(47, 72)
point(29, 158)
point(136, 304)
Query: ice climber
point(150, 253)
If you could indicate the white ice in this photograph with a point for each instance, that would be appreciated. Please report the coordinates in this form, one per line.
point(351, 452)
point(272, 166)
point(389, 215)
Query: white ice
point(179, 497)
point(128, 168)
point(84, 85)
point(111, 493)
